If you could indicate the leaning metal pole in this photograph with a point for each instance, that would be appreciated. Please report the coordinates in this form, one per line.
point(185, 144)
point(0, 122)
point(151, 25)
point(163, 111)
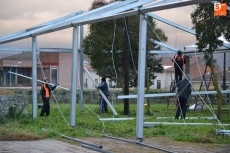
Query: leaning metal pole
point(38, 80)
point(102, 94)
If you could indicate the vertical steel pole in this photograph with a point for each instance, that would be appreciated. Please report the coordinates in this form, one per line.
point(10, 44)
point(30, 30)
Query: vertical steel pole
point(34, 76)
point(126, 66)
point(229, 102)
point(224, 75)
point(141, 77)
point(81, 66)
point(187, 65)
point(74, 77)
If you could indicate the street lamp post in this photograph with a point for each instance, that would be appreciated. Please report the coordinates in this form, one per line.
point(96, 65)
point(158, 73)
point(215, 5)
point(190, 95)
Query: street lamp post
point(10, 70)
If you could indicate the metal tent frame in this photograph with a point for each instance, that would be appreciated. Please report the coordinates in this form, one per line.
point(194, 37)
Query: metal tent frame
point(111, 11)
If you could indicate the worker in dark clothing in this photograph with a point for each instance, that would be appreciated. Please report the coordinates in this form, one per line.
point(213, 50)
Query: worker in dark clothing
point(45, 93)
point(179, 62)
point(183, 93)
point(104, 88)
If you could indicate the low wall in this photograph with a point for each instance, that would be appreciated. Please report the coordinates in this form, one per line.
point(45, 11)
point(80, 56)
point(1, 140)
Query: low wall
point(23, 97)
point(19, 103)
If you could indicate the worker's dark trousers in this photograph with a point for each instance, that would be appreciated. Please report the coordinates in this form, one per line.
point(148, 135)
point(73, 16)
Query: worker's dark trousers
point(178, 74)
point(181, 108)
point(45, 107)
point(103, 105)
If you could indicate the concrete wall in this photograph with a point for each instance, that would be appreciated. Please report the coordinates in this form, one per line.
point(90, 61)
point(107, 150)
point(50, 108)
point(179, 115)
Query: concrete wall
point(20, 103)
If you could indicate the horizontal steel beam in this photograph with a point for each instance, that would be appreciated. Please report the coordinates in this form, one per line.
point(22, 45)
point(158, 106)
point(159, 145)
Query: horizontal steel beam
point(161, 52)
point(60, 23)
point(187, 53)
point(124, 6)
point(115, 119)
point(191, 118)
point(60, 50)
point(8, 50)
point(182, 123)
point(202, 53)
point(172, 94)
point(164, 45)
point(143, 10)
point(110, 17)
point(173, 24)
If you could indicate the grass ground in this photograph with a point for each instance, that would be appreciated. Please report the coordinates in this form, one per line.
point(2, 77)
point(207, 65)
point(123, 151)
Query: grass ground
point(23, 127)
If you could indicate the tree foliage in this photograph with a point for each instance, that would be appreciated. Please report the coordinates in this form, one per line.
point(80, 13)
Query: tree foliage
point(104, 44)
point(208, 30)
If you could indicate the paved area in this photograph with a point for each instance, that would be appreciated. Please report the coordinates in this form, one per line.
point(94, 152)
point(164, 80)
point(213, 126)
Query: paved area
point(41, 146)
point(110, 145)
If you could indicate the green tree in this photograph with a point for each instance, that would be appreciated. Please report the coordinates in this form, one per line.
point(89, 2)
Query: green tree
point(208, 29)
point(104, 44)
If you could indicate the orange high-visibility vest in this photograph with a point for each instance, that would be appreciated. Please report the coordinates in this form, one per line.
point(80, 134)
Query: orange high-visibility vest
point(47, 93)
point(182, 57)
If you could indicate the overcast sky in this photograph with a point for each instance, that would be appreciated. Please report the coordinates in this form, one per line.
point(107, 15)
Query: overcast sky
point(23, 14)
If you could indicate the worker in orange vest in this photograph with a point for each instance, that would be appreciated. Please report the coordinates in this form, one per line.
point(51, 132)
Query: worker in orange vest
point(45, 93)
point(179, 62)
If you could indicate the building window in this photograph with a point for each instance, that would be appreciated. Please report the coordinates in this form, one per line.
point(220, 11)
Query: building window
point(54, 75)
point(22, 80)
point(5, 77)
point(158, 84)
point(85, 62)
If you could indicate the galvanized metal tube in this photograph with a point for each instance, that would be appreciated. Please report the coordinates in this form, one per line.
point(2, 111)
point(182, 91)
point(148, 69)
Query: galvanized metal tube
point(74, 77)
point(141, 76)
point(182, 123)
point(102, 94)
point(120, 139)
point(115, 119)
point(81, 67)
point(83, 142)
point(34, 76)
point(94, 148)
point(149, 146)
point(139, 143)
point(37, 80)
